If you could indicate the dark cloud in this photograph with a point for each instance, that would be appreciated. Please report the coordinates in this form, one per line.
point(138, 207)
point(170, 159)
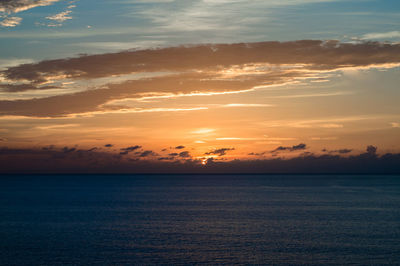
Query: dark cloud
point(341, 151)
point(108, 145)
point(166, 158)
point(173, 154)
point(184, 154)
point(68, 150)
point(179, 147)
point(329, 54)
point(125, 151)
point(131, 148)
point(219, 152)
point(55, 160)
point(183, 61)
point(147, 154)
point(47, 148)
point(298, 147)
point(371, 150)
point(257, 153)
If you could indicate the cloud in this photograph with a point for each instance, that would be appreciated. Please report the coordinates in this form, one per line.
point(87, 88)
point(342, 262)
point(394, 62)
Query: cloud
point(256, 153)
point(55, 127)
point(24, 87)
point(184, 154)
point(113, 46)
point(341, 151)
point(11, 22)
point(246, 105)
point(212, 15)
point(219, 152)
point(68, 150)
point(298, 147)
point(344, 151)
point(131, 148)
point(329, 122)
point(127, 150)
point(108, 145)
point(395, 125)
point(332, 125)
point(238, 139)
point(371, 150)
point(61, 17)
point(147, 153)
point(73, 160)
point(166, 158)
point(338, 93)
point(179, 147)
point(196, 70)
point(202, 131)
point(320, 54)
point(323, 138)
point(15, 6)
point(382, 35)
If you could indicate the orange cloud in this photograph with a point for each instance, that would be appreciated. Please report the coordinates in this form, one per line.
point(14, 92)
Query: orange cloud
point(191, 71)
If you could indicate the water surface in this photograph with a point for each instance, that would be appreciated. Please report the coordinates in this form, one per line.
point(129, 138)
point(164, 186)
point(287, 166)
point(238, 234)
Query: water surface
point(191, 219)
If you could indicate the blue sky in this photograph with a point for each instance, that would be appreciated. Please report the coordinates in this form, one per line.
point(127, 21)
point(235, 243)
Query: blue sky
point(104, 26)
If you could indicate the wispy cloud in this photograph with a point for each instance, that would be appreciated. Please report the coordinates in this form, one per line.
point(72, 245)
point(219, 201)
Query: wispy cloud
point(331, 125)
point(201, 131)
point(11, 22)
point(55, 127)
point(61, 17)
point(237, 138)
point(189, 71)
point(211, 15)
point(328, 122)
point(312, 95)
point(15, 6)
point(112, 46)
point(395, 125)
point(381, 35)
point(246, 105)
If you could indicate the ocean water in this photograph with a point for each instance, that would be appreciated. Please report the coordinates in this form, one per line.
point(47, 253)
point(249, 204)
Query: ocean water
point(199, 219)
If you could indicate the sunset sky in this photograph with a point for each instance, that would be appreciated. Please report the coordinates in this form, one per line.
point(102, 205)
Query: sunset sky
point(182, 80)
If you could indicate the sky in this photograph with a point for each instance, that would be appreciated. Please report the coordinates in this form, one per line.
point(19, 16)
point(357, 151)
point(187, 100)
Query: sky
point(166, 84)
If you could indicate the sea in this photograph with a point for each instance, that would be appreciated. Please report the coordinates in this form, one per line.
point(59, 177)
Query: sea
point(200, 219)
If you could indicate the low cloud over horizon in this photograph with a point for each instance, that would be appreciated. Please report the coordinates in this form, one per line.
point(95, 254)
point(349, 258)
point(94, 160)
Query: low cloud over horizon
point(73, 160)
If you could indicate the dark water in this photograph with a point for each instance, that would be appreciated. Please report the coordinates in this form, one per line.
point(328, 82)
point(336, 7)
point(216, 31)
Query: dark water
point(194, 219)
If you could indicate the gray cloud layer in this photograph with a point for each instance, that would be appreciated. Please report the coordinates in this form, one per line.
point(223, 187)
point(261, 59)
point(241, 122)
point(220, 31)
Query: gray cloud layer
point(73, 160)
point(196, 68)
